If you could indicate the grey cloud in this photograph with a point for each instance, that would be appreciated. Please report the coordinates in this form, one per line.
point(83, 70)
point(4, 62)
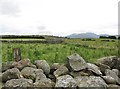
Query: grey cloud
point(113, 26)
point(41, 27)
point(9, 7)
point(42, 30)
point(4, 29)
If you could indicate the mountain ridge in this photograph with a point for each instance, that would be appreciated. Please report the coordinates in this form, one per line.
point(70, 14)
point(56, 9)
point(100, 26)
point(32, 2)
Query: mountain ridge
point(87, 35)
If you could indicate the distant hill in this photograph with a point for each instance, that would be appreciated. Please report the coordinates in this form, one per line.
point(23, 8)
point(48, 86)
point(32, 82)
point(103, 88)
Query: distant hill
point(88, 35)
point(83, 35)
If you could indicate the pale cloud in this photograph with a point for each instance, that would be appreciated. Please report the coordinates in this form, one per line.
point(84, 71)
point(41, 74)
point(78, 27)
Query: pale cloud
point(8, 7)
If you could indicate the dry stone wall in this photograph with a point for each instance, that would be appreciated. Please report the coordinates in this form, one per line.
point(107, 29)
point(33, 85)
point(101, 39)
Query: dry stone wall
point(74, 73)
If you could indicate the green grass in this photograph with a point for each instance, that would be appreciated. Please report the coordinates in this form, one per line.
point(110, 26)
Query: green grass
point(89, 50)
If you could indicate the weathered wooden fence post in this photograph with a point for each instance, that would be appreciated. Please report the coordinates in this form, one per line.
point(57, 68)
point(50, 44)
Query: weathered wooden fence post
point(16, 54)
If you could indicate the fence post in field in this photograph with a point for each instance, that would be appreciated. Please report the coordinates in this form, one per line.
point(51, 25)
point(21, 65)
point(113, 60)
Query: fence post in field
point(16, 54)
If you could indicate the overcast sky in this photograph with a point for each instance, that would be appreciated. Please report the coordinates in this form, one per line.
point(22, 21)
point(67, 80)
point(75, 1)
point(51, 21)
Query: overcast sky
point(58, 17)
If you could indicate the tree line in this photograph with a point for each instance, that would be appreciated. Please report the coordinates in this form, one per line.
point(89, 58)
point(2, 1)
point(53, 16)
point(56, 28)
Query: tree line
point(22, 37)
point(109, 37)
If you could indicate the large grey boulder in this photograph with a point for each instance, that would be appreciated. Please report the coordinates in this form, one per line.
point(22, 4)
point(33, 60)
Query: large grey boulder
point(109, 79)
point(1, 84)
point(95, 69)
point(65, 81)
point(113, 86)
point(62, 70)
point(8, 65)
point(117, 64)
point(13, 73)
point(84, 72)
point(23, 63)
point(91, 81)
point(40, 75)
point(0, 77)
point(116, 71)
point(19, 83)
point(0, 67)
point(113, 75)
point(54, 67)
point(81, 81)
point(47, 83)
point(20, 64)
point(42, 64)
point(111, 61)
point(32, 73)
point(102, 67)
point(75, 62)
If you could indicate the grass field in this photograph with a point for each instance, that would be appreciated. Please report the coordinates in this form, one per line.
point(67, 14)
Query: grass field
point(89, 50)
